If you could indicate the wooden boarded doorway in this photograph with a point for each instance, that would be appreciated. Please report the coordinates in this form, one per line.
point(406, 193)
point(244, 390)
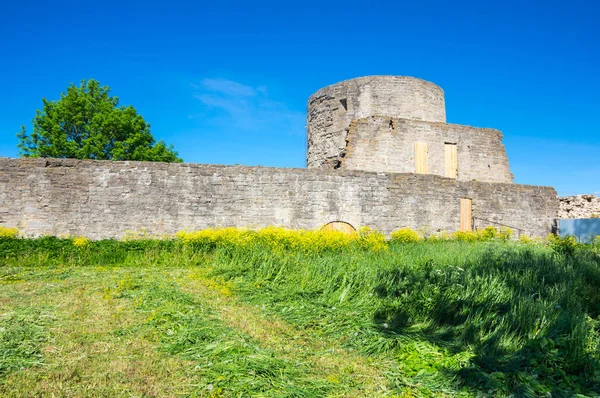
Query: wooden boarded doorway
point(341, 226)
point(466, 216)
point(451, 160)
point(421, 158)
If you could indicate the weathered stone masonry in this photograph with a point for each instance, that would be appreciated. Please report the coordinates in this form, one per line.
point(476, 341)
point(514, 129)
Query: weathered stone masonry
point(580, 206)
point(481, 154)
point(366, 139)
point(102, 199)
point(332, 109)
point(373, 123)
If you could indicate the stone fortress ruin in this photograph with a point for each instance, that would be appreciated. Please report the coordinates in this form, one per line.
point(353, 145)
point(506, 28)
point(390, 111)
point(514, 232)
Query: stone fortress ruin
point(397, 124)
point(380, 154)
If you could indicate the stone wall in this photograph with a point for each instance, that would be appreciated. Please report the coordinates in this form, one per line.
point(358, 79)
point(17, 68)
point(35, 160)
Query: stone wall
point(580, 206)
point(101, 199)
point(388, 145)
point(333, 108)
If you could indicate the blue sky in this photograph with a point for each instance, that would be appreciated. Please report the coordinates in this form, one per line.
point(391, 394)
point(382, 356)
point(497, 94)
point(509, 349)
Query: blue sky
point(227, 82)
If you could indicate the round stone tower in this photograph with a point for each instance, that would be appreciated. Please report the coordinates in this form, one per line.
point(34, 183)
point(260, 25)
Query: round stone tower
point(333, 108)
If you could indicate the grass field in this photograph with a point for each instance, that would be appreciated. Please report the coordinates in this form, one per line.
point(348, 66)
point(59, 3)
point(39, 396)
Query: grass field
point(240, 317)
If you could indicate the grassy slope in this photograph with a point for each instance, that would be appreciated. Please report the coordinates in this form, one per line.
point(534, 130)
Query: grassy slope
point(426, 319)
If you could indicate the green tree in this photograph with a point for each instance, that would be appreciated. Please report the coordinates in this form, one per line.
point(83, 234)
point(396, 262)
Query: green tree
point(87, 123)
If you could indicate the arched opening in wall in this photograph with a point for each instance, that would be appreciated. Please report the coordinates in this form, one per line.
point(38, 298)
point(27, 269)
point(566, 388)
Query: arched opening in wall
point(341, 226)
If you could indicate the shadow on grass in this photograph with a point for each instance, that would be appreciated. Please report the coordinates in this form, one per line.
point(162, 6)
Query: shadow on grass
point(528, 317)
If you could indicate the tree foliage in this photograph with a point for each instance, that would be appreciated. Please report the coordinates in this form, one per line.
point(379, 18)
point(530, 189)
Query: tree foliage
point(87, 123)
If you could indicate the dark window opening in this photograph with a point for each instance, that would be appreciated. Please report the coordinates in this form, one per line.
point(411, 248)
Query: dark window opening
point(344, 103)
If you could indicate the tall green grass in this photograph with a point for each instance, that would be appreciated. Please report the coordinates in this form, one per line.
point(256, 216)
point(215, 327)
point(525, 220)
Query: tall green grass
point(496, 318)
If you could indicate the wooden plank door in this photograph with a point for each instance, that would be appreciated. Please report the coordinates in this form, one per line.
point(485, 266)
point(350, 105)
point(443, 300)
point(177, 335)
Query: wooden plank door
point(466, 217)
point(421, 158)
point(451, 160)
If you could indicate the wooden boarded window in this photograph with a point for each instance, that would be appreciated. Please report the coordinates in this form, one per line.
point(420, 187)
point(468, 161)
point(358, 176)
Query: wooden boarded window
point(421, 158)
point(451, 161)
point(466, 217)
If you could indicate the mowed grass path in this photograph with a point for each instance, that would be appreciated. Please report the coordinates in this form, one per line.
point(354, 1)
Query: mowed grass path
point(167, 332)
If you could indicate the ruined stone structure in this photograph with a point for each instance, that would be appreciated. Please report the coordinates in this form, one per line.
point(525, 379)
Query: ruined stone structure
point(380, 155)
point(384, 123)
point(580, 206)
